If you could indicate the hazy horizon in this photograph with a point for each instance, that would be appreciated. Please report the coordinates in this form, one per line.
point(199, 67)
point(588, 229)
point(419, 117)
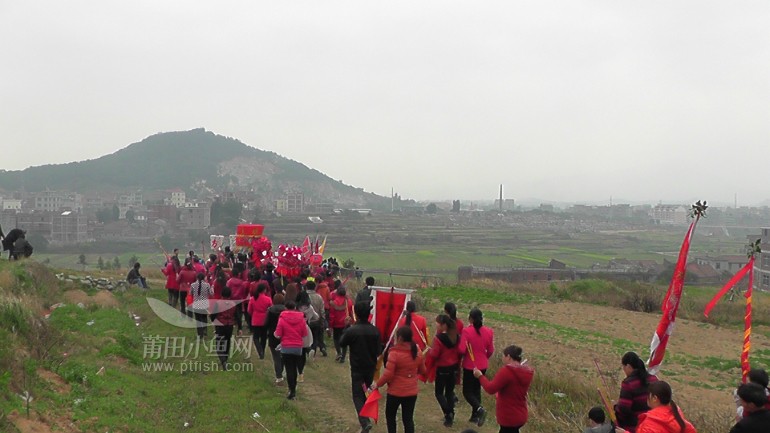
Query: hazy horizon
point(563, 101)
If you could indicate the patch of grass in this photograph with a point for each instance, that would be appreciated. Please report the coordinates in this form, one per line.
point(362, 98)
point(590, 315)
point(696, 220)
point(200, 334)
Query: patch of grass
point(464, 295)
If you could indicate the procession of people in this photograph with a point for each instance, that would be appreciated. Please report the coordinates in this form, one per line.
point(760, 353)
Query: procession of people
point(294, 316)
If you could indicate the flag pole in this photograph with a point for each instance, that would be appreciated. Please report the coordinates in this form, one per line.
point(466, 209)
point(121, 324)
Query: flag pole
point(671, 301)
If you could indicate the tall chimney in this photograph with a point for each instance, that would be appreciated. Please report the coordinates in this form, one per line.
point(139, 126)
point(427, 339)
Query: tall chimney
point(501, 197)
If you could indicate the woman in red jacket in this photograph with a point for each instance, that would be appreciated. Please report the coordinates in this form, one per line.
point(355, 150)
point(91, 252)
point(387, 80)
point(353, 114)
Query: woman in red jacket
point(664, 416)
point(450, 309)
point(223, 318)
point(511, 384)
point(477, 347)
point(445, 351)
point(291, 329)
point(240, 292)
point(170, 271)
point(340, 316)
point(418, 324)
point(186, 277)
point(257, 309)
point(404, 362)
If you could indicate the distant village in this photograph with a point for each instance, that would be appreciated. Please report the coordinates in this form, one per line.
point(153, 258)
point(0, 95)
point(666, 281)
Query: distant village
point(65, 218)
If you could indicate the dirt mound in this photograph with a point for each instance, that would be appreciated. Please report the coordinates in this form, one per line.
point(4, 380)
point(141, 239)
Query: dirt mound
point(38, 423)
point(59, 385)
point(103, 298)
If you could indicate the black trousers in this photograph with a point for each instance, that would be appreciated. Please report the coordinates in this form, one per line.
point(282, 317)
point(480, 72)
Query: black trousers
point(445, 388)
point(259, 335)
point(223, 333)
point(407, 412)
point(359, 381)
point(509, 429)
point(472, 389)
point(290, 363)
point(173, 297)
point(302, 360)
point(337, 334)
point(277, 363)
point(183, 304)
point(317, 329)
point(239, 317)
point(202, 322)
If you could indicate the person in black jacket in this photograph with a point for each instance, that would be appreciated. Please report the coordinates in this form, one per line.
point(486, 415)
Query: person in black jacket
point(756, 417)
point(365, 294)
point(363, 338)
point(9, 239)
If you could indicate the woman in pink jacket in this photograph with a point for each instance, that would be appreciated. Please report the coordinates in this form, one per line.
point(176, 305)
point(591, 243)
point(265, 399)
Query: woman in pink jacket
point(479, 346)
point(291, 329)
point(257, 309)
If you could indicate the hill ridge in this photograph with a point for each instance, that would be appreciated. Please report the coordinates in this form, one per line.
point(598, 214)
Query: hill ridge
point(189, 159)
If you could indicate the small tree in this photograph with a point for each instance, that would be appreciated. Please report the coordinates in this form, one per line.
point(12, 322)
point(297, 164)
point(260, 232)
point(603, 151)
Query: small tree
point(100, 263)
point(431, 208)
point(82, 261)
point(132, 261)
point(116, 263)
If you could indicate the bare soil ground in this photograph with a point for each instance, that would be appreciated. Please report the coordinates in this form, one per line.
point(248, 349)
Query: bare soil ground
point(102, 298)
point(690, 341)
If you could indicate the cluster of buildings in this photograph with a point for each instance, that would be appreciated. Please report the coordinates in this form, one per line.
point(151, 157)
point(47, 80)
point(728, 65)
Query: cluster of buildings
point(65, 217)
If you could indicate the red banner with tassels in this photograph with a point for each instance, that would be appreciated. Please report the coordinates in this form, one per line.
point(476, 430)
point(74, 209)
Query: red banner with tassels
point(670, 306)
point(747, 269)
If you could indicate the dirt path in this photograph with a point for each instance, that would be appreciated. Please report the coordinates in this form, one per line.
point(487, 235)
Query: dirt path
point(559, 339)
point(327, 391)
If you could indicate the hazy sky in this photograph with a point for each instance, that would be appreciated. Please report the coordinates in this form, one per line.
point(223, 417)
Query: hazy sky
point(562, 100)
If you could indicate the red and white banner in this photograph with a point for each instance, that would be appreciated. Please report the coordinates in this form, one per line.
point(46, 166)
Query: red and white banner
point(747, 269)
point(670, 306)
point(388, 305)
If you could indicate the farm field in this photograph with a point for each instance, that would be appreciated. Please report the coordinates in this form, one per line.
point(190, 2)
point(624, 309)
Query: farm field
point(387, 246)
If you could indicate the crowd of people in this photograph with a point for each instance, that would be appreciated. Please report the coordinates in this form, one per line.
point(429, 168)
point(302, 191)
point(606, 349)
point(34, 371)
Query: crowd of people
point(293, 318)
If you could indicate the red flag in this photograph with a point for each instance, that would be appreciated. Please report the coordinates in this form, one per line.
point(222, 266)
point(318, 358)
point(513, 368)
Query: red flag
point(430, 370)
point(670, 306)
point(306, 246)
point(747, 330)
point(389, 305)
point(371, 408)
point(730, 284)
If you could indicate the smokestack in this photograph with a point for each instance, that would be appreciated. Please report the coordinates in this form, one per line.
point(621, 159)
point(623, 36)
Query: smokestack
point(501, 197)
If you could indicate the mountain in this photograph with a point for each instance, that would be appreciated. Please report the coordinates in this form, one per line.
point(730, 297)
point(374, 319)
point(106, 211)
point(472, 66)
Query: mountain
point(191, 160)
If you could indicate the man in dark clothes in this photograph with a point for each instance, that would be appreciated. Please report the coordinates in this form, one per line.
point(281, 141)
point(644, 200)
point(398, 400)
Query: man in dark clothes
point(756, 417)
point(365, 294)
point(363, 338)
point(10, 239)
point(21, 248)
point(134, 277)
